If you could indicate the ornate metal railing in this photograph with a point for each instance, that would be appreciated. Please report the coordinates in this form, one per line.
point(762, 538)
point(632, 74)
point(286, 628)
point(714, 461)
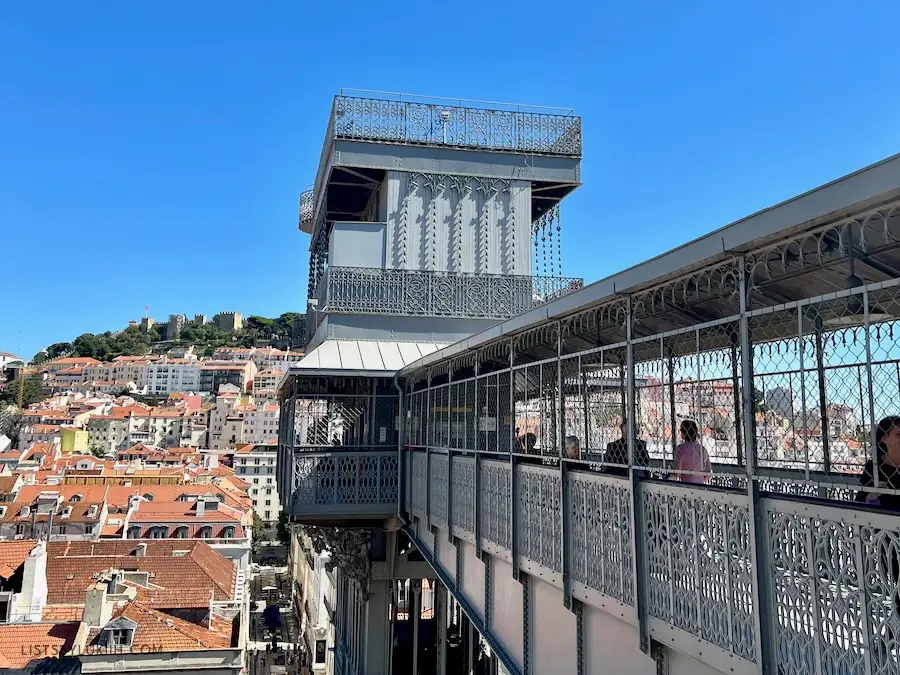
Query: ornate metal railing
point(344, 484)
point(307, 206)
point(460, 126)
point(829, 604)
point(457, 124)
point(419, 293)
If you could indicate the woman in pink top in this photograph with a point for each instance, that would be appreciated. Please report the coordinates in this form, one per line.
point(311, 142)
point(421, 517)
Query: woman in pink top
point(691, 456)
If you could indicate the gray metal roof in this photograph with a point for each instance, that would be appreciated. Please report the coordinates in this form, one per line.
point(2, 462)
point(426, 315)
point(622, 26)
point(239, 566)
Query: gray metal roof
point(868, 187)
point(348, 357)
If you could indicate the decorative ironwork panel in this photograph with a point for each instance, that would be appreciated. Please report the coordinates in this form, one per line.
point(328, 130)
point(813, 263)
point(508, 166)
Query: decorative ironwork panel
point(358, 290)
point(345, 479)
point(307, 205)
point(601, 525)
point(439, 489)
point(698, 564)
point(418, 467)
point(539, 522)
point(495, 504)
point(835, 588)
point(443, 124)
point(464, 493)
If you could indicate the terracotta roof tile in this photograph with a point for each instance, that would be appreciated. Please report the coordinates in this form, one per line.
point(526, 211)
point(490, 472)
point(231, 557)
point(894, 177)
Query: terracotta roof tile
point(166, 633)
point(47, 639)
point(184, 572)
point(13, 554)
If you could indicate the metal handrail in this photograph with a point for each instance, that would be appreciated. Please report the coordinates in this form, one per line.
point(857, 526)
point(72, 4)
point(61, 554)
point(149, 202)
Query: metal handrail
point(433, 293)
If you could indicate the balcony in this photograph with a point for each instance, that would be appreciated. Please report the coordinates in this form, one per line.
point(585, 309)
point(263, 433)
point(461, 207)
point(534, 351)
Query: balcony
point(357, 290)
point(340, 484)
point(449, 123)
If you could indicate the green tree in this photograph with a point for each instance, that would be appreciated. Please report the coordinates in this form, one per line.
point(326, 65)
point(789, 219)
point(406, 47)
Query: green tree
point(97, 451)
point(58, 349)
point(258, 535)
point(89, 345)
point(285, 324)
point(283, 530)
point(11, 423)
point(32, 391)
point(262, 324)
point(39, 358)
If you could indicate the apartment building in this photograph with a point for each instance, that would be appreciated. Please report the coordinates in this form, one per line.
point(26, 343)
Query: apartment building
point(171, 375)
point(65, 363)
point(265, 383)
point(257, 464)
point(214, 374)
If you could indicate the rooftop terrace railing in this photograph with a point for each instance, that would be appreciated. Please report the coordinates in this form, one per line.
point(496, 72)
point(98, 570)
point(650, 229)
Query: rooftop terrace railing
point(455, 123)
point(358, 290)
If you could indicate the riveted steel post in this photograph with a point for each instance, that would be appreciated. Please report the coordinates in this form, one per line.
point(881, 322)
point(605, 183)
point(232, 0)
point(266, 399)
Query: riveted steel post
point(564, 533)
point(401, 442)
point(639, 559)
point(476, 498)
point(526, 624)
point(762, 616)
point(578, 608)
point(513, 483)
point(488, 610)
point(427, 486)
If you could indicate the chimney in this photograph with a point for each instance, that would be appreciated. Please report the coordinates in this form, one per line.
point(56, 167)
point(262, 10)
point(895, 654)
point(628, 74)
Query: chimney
point(141, 550)
point(33, 597)
point(97, 608)
point(201, 507)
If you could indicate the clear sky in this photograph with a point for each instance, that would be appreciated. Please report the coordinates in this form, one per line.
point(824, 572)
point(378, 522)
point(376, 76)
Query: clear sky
point(153, 153)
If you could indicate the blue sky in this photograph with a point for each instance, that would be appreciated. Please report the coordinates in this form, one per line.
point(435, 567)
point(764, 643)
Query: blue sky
point(153, 153)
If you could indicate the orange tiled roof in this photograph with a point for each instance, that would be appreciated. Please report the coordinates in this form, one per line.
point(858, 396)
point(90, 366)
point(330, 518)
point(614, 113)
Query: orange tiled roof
point(43, 428)
point(13, 554)
point(163, 632)
point(73, 360)
point(7, 483)
point(185, 572)
point(52, 638)
point(89, 493)
point(182, 512)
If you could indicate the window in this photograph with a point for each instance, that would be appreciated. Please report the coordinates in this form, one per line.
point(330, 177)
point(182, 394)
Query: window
point(268, 502)
point(254, 502)
point(134, 532)
point(118, 637)
point(267, 515)
point(268, 491)
point(319, 657)
point(181, 532)
point(205, 532)
point(62, 529)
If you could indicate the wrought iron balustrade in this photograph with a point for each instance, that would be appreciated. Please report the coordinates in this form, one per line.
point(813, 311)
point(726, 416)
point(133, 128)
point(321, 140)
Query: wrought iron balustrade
point(460, 126)
point(831, 567)
point(354, 483)
point(359, 290)
point(465, 125)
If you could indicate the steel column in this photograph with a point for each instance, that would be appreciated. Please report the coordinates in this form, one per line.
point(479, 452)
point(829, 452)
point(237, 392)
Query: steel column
point(563, 470)
point(762, 615)
point(637, 535)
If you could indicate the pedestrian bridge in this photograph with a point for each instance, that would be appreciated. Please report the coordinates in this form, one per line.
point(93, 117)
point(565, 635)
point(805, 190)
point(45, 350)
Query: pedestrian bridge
point(537, 465)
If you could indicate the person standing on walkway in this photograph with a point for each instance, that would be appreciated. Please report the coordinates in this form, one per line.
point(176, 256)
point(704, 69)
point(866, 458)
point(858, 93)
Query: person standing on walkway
point(691, 456)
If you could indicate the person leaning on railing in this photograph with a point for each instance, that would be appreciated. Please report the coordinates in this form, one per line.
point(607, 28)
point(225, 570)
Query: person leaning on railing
point(887, 445)
point(887, 458)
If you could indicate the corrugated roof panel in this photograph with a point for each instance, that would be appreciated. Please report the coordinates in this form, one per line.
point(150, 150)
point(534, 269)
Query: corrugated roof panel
point(390, 356)
point(365, 355)
point(350, 356)
point(370, 356)
point(409, 351)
